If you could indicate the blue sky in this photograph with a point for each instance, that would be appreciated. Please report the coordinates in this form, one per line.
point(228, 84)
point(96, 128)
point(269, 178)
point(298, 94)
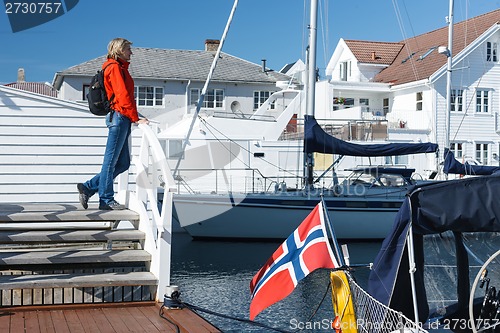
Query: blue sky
point(274, 30)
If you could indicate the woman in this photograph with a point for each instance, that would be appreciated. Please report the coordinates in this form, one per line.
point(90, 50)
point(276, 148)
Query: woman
point(117, 82)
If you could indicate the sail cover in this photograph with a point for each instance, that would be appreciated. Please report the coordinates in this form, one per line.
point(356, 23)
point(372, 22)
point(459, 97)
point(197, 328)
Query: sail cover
point(317, 140)
point(463, 205)
point(451, 165)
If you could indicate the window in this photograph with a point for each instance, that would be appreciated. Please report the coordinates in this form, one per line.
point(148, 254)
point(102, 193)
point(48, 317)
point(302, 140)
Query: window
point(348, 103)
point(345, 70)
point(149, 96)
point(419, 101)
point(340, 103)
point(482, 101)
point(85, 91)
point(214, 98)
point(482, 153)
point(385, 106)
point(395, 160)
point(365, 104)
point(456, 100)
point(491, 52)
point(456, 149)
point(174, 149)
point(259, 97)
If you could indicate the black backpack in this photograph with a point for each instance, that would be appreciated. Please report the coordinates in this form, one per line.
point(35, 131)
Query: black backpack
point(99, 104)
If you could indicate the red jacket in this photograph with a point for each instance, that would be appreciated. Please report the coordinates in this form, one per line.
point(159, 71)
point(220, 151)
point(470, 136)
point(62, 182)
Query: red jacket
point(118, 81)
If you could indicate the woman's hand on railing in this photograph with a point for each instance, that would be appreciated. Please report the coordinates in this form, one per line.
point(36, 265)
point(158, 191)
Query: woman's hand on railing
point(142, 121)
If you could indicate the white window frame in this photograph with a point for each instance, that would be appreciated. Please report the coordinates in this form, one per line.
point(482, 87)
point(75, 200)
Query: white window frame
point(457, 148)
point(483, 102)
point(386, 106)
point(457, 100)
point(482, 152)
point(151, 96)
point(419, 99)
point(85, 91)
point(344, 70)
point(214, 98)
point(492, 51)
point(364, 103)
point(260, 96)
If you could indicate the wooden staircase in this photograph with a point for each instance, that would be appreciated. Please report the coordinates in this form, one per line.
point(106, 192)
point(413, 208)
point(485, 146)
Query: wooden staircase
point(61, 254)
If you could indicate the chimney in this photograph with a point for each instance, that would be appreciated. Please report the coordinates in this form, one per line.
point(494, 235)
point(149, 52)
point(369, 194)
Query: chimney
point(373, 55)
point(211, 45)
point(263, 65)
point(20, 75)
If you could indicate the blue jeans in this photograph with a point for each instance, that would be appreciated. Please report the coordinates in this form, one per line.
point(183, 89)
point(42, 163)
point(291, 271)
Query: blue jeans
point(116, 158)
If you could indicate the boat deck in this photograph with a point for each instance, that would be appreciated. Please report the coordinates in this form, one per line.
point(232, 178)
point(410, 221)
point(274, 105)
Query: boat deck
point(106, 318)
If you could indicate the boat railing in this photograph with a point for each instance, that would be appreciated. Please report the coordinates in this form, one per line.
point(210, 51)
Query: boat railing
point(373, 316)
point(245, 180)
point(139, 188)
point(240, 115)
point(251, 180)
point(346, 129)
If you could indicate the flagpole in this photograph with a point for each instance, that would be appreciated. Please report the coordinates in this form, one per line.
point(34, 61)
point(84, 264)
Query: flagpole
point(332, 233)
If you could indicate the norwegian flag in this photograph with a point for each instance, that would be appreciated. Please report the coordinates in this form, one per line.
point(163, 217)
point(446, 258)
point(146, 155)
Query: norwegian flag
point(304, 251)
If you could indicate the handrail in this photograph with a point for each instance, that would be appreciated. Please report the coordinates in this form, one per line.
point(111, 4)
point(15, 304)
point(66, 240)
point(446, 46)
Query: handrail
point(151, 174)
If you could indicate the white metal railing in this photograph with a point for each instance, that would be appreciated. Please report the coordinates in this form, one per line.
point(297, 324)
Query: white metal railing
point(151, 174)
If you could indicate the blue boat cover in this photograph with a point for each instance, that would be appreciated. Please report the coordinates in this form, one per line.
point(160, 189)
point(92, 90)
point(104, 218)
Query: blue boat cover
point(451, 165)
point(463, 205)
point(317, 140)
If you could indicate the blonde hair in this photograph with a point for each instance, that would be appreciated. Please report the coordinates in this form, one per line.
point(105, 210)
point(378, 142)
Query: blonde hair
point(116, 47)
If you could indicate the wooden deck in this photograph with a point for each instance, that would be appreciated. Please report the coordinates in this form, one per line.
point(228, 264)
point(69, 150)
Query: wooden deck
point(108, 318)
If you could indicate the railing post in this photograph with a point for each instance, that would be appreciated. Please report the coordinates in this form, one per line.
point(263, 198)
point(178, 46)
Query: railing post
point(155, 222)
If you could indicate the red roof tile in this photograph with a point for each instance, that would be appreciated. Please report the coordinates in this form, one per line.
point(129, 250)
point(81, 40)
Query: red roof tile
point(374, 52)
point(406, 69)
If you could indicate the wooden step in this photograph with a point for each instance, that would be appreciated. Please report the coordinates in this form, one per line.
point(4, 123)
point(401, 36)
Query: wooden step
point(37, 213)
point(67, 236)
point(8, 282)
point(19, 258)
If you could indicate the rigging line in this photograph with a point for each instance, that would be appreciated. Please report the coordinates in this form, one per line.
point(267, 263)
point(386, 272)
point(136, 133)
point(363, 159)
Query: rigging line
point(472, 97)
point(483, 56)
point(304, 24)
point(324, 25)
point(403, 32)
point(243, 148)
point(320, 303)
point(247, 321)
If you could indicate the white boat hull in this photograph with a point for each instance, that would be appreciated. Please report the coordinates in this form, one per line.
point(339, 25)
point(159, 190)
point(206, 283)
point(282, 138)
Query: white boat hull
point(276, 216)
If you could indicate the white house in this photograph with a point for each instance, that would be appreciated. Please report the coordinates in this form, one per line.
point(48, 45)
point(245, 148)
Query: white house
point(404, 85)
point(168, 82)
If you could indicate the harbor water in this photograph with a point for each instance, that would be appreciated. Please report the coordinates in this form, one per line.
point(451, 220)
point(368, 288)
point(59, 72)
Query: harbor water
point(215, 275)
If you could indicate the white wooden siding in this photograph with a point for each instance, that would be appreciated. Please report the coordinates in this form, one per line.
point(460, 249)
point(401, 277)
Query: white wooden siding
point(47, 146)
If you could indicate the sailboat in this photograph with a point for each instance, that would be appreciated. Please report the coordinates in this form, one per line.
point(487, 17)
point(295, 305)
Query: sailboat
point(462, 217)
point(362, 207)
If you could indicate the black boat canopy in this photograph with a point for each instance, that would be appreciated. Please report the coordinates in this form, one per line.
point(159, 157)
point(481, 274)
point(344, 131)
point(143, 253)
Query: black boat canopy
point(317, 140)
point(463, 205)
point(451, 165)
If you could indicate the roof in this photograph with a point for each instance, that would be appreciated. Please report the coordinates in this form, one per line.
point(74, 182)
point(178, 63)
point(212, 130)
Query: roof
point(35, 87)
point(420, 66)
point(374, 52)
point(166, 64)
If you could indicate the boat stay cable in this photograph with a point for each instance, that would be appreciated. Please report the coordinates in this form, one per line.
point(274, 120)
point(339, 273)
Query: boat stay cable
point(205, 87)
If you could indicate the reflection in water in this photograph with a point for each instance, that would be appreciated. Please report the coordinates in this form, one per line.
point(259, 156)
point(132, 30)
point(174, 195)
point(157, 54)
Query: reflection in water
point(216, 276)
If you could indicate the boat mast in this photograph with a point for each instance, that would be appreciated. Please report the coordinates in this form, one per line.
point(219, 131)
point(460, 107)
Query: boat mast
point(311, 86)
point(448, 74)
